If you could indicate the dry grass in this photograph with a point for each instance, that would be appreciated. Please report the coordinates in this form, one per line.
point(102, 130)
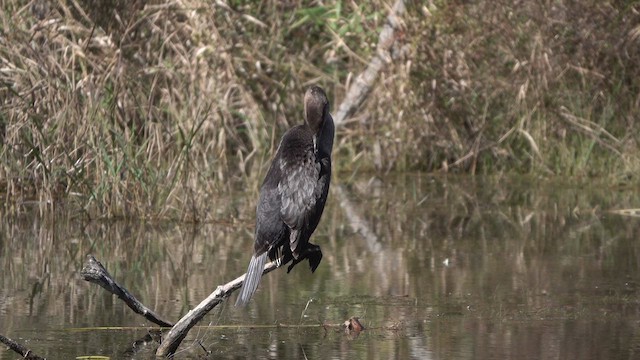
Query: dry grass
point(543, 87)
point(148, 110)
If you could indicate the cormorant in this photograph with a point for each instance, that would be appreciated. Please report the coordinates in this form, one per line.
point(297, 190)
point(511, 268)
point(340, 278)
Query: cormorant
point(293, 194)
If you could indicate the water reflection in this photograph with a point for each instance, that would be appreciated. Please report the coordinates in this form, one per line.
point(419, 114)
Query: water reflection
point(447, 268)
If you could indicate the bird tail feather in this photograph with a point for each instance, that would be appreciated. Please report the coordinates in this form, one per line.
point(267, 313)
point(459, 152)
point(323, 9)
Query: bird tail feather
point(252, 279)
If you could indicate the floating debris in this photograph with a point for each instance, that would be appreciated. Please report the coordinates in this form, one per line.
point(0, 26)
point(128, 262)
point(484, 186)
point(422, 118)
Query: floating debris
point(353, 326)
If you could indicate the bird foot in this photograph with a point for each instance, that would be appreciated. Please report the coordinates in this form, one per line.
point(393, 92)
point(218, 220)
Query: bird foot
point(313, 253)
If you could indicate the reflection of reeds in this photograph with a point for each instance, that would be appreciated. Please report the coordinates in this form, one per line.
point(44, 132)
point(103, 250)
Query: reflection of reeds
point(517, 250)
point(470, 224)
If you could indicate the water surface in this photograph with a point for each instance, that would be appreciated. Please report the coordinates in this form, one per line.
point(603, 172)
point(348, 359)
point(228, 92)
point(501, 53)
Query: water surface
point(440, 268)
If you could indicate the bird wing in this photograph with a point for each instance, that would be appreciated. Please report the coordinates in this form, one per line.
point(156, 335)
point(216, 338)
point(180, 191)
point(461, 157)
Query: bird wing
point(298, 193)
point(270, 229)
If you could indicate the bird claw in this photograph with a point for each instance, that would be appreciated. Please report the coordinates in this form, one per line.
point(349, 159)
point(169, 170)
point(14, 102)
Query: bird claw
point(313, 253)
point(314, 259)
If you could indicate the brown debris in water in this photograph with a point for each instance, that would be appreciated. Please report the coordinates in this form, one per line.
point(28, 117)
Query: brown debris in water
point(353, 326)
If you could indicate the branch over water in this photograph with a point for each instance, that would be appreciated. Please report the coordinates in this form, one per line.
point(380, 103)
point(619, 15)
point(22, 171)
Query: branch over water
point(23, 351)
point(94, 272)
point(175, 336)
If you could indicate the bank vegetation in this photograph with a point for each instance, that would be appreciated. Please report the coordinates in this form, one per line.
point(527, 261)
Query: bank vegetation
point(149, 109)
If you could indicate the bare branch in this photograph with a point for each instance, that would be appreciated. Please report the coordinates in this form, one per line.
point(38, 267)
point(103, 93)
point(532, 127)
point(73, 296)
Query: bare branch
point(173, 339)
point(363, 84)
point(23, 351)
point(94, 272)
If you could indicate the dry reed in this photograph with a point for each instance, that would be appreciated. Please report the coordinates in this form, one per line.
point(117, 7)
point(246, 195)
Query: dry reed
point(148, 109)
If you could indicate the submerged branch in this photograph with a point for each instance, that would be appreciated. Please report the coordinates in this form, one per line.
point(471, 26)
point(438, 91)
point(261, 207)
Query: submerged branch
point(23, 351)
point(175, 336)
point(94, 272)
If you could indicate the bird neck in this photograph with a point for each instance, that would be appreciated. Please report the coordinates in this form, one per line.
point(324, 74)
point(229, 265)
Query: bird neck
point(323, 140)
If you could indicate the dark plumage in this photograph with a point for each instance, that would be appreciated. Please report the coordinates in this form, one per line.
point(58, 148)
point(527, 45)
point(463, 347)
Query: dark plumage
point(293, 194)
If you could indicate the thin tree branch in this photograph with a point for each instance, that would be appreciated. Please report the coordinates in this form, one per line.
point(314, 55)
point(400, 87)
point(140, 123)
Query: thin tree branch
point(175, 336)
point(94, 272)
point(23, 351)
point(362, 86)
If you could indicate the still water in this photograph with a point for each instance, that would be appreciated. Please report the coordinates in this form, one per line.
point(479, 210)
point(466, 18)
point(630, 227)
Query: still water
point(434, 267)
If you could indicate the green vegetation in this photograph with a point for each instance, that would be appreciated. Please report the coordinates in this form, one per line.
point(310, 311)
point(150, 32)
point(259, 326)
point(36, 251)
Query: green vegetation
point(149, 110)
